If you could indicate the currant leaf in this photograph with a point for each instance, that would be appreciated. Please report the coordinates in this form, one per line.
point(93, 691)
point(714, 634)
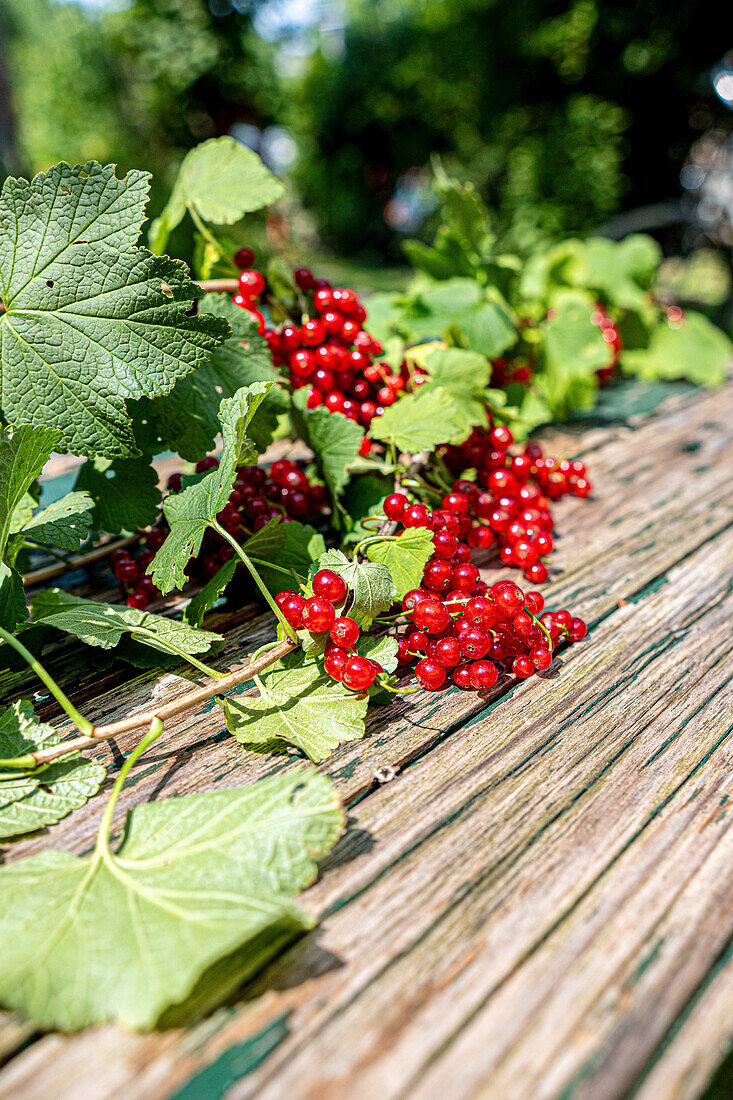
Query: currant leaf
point(334, 440)
point(35, 798)
point(24, 452)
point(122, 936)
point(64, 523)
point(125, 493)
point(371, 585)
point(13, 609)
point(419, 421)
point(206, 597)
point(221, 180)
point(190, 512)
point(90, 322)
point(298, 703)
point(694, 348)
point(301, 546)
point(382, 650)
point(574, 349)
point(404, 557)
point(104, 625)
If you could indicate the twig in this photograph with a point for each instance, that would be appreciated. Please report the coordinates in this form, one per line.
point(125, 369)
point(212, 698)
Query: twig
point(50, 571)
point(168, 710)
point(230, 286)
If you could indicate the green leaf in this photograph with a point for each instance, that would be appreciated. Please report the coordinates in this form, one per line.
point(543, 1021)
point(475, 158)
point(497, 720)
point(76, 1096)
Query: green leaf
point(64, 523)
point(123, 936)
point(32, 799)
point(186, 419)
point(301, 546)
point(103, 625)
point(694, 349)
point(222, 181)
point(189, 513)
point(13, 610)
point(364, 496)
point(465, 374)
point(620, 271)
point(88, 324)
point(125, 493)
point(488, 329)
point(24, 452)
point(419, 421)
point(574, 349)
point(382, 650)
point(404, 557)
point(203, 601)
point(334, 440)
point(301, 704)
point(370, 584)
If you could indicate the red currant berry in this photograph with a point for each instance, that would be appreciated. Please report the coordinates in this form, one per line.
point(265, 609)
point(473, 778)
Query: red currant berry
point(462, 676)
point(417, 641)
point(417, 515)
point(329, 585)
point(537, 573)
point(465, 577)
point(482, 674)
point(475, 643)
point(359, 673)
point(304, 280)
point(138, 599)
point(500, 437)
point(523, 623)
point(431, 616)
point(415, 596)
point(430, 674)
point(534, 602)
point(318, 614)
point(563, 619)
point(344, 632)
point(334, 662)
point(291, 604)
point(522, 667)
point(437, 575)
point(394, 505)
point(447, 652)
point(577, 630)
point(126, 571)
point(251, 284)
point(541, 657)
point(508, 597)
point(244, 257)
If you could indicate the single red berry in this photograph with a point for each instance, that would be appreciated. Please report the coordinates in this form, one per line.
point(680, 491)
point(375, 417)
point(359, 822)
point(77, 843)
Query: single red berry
point(359, 673)
point(523, 623)
point(508, 597)
point(462, 676)
point(446, 651)
point(465, 577)
point(417, 515)
point(329, 585)
point(475, 643)
point(334, 662)
point(583, 487)
point(500, 437)
point(522, 667)
point(318, 614)
point(344, 632)
point(541, 657)
point(445, 544)
point(431, 616)
point(312, 333)
point(524, 553)
point(482, 674)
point(457, 503)
point(563, 619)
point(291, 604)
point(304, 279)
point(578, 629)
point(244, 257)
point(534, 602)
point(251, 284)
point(437, 575)
point(537, 573)
point(138, 599)
point(480, 537)
point(430, 674)
point(126, 571)
point(404, 657)
point(417, 641)
point(544, 543)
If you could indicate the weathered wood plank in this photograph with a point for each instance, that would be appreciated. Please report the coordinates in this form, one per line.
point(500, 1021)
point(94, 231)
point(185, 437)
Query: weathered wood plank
point(656, 519)
point(440, 902)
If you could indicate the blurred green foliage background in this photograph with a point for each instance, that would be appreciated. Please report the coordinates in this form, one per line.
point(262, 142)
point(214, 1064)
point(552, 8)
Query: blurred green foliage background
point(563, 113)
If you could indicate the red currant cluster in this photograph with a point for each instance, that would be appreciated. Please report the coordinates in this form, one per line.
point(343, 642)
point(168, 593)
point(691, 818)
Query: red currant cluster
point(612, 337)
point(257, 497)
point(505, 372)
point(317, 614)
point(459, 622)
point(251, 287)
point(329, 351)
point(507, 503)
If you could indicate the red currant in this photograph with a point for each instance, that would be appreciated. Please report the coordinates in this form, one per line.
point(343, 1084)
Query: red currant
point(329, 585)
point(344, 632)
point(318, 614)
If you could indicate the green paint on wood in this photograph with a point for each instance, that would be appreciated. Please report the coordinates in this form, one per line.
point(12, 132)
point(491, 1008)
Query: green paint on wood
point(235, 1063)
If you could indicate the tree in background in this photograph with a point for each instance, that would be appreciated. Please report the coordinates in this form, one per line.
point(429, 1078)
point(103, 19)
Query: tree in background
point(558, 112)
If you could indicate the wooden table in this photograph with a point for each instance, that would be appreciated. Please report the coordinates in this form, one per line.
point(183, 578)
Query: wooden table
point(535, 894)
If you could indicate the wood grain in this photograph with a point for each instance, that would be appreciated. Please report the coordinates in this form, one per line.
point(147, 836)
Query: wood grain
point(540, 904)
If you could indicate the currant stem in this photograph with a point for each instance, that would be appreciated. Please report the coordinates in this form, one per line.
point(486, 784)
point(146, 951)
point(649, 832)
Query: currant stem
point(102, 845)
point(76, 717)
point(209, 236)
point(168, 710)
point(257, 579)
